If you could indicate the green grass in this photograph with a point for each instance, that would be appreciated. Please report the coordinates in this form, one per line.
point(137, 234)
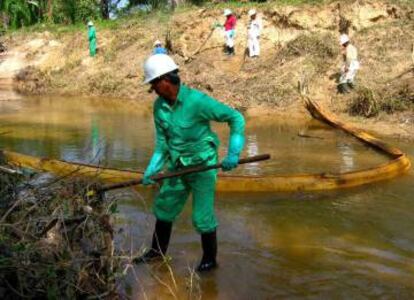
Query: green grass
point(162, 16)
point(238, 4)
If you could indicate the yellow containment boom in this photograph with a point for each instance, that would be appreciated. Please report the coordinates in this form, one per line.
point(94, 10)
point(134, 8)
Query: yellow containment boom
point(398, 165)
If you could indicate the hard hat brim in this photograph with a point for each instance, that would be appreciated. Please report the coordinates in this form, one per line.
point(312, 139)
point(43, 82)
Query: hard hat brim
point(158, 65)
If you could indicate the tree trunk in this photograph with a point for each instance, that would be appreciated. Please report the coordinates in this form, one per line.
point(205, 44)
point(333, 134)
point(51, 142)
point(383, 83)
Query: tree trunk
point(174, 3)
point(105, 8)
point(4, 20)
point(49, 10)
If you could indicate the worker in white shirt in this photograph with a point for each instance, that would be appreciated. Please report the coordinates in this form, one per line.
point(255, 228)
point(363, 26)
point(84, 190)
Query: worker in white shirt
point(253, 33)
point(350, 66)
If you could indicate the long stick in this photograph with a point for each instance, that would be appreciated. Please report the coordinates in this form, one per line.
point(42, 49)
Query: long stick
point(201, 46)
point(245, 54)
point(185, 171)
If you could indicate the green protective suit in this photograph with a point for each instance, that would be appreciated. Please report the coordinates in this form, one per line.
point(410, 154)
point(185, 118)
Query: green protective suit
point(184, 138)
point(92, 40)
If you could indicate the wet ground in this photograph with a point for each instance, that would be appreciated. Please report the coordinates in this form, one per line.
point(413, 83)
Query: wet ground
point(353, 243)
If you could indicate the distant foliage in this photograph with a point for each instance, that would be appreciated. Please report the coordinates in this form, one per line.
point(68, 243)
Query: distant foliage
point(73, 11)
point(19, 13)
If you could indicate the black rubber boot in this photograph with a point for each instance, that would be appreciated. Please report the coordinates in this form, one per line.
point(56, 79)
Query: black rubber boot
point(343, 88)
point(231, 51)
point(227, 50)
point(209, 245)
point(160, 241)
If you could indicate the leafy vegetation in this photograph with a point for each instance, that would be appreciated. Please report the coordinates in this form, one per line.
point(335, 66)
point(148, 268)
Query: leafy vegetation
point(20, 13)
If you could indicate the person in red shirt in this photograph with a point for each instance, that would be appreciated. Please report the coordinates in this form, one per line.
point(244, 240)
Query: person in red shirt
point(230, 31)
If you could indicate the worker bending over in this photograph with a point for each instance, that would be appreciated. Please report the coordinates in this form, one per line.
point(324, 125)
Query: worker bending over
point(158, 48)
point(184, 138)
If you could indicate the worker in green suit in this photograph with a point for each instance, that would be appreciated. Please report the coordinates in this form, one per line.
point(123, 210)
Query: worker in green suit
point(184, 138)
point(92, 39)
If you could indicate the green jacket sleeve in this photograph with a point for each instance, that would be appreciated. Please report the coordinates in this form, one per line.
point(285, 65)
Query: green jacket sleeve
point(212, 109)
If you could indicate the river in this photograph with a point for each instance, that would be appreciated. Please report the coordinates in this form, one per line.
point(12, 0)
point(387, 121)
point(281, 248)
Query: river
point(355, 243)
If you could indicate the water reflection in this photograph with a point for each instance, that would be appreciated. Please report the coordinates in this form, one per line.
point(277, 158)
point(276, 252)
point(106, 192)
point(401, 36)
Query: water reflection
point(252, 149)
point(347, 153)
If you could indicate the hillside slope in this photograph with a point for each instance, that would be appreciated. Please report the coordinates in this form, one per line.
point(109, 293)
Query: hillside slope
point(300, 52)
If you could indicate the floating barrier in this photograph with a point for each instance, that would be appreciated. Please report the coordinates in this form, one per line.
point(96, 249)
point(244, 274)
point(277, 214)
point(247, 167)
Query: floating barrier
point(398, 165)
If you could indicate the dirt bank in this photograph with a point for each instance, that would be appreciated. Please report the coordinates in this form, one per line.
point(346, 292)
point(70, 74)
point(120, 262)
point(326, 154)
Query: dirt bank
point(300, 53)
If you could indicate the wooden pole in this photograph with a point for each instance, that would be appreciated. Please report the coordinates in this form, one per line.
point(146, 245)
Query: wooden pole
point(182, 172)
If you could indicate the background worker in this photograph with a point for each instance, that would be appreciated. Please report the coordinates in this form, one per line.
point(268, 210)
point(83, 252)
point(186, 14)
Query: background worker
point(229, 31)
point(253, 33)
point(92, 39)
point(184, 138)
point(158, 48)
point(350, 66)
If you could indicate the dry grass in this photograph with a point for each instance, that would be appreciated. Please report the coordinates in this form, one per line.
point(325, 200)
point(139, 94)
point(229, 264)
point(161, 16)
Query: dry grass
point(31, 80)
point(104, 83)
point(54, 243)
point(317, 45)
point(394, 98)
point(365, 103)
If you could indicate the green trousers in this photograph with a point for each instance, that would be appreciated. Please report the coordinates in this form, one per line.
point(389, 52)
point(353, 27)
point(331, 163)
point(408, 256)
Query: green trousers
point(92, 47)
point(175, 191)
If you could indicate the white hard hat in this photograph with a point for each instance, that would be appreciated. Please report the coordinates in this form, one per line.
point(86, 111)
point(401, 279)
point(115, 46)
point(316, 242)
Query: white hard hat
point(252, 12)
point(344, 38)
point(157, 65)
point(227, 12)
point(90, 23)
point(157, 42)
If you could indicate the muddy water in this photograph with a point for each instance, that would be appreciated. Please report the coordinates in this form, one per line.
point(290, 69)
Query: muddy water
point(355, 243)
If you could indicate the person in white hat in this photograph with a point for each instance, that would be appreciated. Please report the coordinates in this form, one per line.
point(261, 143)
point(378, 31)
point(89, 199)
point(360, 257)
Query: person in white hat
point(158, 48)
point(230, 31)
point(184, 138)
point(92, 39)
point(253, 33)
point(350, 67)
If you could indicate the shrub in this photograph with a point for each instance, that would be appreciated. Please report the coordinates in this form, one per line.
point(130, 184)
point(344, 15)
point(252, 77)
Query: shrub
point(365, 103)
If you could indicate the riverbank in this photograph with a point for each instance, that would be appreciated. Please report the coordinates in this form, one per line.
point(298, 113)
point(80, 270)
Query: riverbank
point(300, 55)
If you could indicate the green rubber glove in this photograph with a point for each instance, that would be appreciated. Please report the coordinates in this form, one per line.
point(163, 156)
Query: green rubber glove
point(230, 162)
point(236, 144)
point(155, 165)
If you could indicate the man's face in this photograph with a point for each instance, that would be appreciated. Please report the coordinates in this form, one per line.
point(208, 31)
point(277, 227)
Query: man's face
point(160, 86)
